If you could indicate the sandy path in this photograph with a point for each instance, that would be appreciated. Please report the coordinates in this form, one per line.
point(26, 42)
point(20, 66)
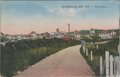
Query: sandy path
point(65, 63)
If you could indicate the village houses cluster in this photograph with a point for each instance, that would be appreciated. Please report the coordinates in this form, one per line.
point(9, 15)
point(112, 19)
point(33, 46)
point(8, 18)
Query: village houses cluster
point(34, 35)
point(104, 34)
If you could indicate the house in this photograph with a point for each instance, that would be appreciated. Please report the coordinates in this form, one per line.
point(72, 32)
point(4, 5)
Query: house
point(77, 35)
point(33, 34)
point(57, 34)
point(105, 35)
point(45, 35)
point(113, 33)
point(19, 37)
point(92, 32)
point(27, 36)
point(40, 36)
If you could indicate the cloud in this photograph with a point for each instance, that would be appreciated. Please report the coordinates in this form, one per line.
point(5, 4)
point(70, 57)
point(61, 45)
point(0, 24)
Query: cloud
point(24, 9)
point(64, 12)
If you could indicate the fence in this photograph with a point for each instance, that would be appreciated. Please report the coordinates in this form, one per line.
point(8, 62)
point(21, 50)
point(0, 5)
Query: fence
point(85, 50)
point(107, 65)
point(107, 62)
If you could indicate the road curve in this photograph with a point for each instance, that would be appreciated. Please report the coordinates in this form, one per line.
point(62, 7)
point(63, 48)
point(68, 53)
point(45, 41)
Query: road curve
point(65, 63)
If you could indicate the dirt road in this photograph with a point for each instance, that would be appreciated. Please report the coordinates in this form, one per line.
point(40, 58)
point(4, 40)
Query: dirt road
point(65, 63)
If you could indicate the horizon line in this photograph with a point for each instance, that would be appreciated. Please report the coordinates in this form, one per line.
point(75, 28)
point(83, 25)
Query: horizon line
point(55, 31)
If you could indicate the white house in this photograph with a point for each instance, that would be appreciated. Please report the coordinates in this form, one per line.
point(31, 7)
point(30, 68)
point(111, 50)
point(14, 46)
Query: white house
point(105, 35)
point(113, 33)
point(57, 35)
point(19, 37)
point(26, 36)
point(52, 35)
point(92, 32)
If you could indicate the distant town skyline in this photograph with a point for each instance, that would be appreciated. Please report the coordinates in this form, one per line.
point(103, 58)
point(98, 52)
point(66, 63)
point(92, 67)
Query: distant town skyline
point(22, 17)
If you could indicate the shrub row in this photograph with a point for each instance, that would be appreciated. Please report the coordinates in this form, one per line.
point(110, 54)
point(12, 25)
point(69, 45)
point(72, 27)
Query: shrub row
point(17, 56)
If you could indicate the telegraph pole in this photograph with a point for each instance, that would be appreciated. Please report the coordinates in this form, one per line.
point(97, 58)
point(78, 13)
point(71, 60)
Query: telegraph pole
point(119, 38)
point(119, 29)
point(117, 59)
point(119, 34)
point(69, 33)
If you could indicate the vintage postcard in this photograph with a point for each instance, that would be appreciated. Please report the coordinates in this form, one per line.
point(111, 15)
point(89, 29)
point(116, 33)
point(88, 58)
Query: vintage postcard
point(59, 38)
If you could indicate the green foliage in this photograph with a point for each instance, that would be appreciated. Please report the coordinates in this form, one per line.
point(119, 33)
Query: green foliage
point(2, 39)
point(95, 38)
point(27, 53)
point(95, 64)
point(86, 39)
point(90, 46)
point(84, 32)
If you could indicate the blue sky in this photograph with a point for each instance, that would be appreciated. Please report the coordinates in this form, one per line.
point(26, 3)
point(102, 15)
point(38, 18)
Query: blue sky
point(38, 15)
